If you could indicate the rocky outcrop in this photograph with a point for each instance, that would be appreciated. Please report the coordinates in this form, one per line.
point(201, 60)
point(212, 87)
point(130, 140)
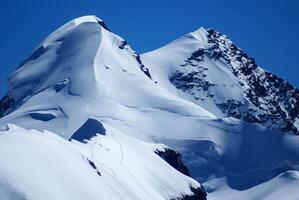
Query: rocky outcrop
point(198, 194)
point(174, 159)
point(268, 99)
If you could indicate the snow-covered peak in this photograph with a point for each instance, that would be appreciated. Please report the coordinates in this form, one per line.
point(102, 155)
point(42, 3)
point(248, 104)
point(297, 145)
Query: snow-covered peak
point(206, 68)
point(199, 34)
point(73, 54)
point(86, 64)
point(87, 18)
point(76, 41)
point(60, 32)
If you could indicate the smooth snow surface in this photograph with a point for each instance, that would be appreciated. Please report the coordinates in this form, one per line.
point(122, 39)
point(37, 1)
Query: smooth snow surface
point(87, 120)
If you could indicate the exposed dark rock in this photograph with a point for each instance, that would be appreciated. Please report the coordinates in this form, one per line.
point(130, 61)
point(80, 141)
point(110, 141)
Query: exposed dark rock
point(102, 23)
point(188, 82)
point(197, 55)
point(6, 104)
point(279, 98)
point(198, 194)
point(142, 67)
point(275, 102)
point(123, 44)
point(231, 108)
point(174, 159)
point(94, 166)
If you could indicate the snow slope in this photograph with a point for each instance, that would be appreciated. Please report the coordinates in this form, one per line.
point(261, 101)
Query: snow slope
point(42, 165)
point(112, 120)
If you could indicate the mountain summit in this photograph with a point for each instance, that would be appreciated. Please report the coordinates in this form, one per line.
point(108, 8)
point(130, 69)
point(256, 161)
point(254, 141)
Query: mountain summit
point(86, 117)
point(206, 68)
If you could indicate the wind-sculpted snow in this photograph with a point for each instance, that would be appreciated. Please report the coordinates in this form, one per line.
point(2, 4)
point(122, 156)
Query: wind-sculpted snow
point(94, 120)
point(73, 89)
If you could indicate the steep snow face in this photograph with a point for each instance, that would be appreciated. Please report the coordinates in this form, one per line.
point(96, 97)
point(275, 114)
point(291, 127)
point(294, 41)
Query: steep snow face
point(84, 68)
point(69, 50)
point(206, 68)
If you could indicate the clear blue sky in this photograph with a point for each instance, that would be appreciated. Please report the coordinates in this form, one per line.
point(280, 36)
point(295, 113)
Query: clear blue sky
point(267, 30)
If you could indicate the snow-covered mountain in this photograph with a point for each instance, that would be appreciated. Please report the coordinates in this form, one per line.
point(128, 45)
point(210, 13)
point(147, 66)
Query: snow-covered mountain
point(206, 68)
point(85, 117)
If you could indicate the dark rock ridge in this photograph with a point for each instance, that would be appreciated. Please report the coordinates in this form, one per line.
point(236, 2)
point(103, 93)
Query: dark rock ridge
point(143, 68)
point(124, 46)
point(174, 159)
point(94, 166)
point(275, 102)
point(102, 23)
point(198, 194)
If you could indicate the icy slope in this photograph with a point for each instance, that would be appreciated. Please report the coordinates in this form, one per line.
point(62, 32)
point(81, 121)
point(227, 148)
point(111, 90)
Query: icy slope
point(206, 68)
point(86, 84)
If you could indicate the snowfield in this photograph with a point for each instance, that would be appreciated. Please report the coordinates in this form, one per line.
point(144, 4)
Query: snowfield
point(86, 117)
point(42, 165)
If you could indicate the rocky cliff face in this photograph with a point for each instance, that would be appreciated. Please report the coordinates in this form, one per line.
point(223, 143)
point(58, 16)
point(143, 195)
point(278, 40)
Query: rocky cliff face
point(276, 101)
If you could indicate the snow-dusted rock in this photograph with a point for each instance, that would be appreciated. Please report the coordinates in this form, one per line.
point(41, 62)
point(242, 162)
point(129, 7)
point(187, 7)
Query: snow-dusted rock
point(206, 68)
